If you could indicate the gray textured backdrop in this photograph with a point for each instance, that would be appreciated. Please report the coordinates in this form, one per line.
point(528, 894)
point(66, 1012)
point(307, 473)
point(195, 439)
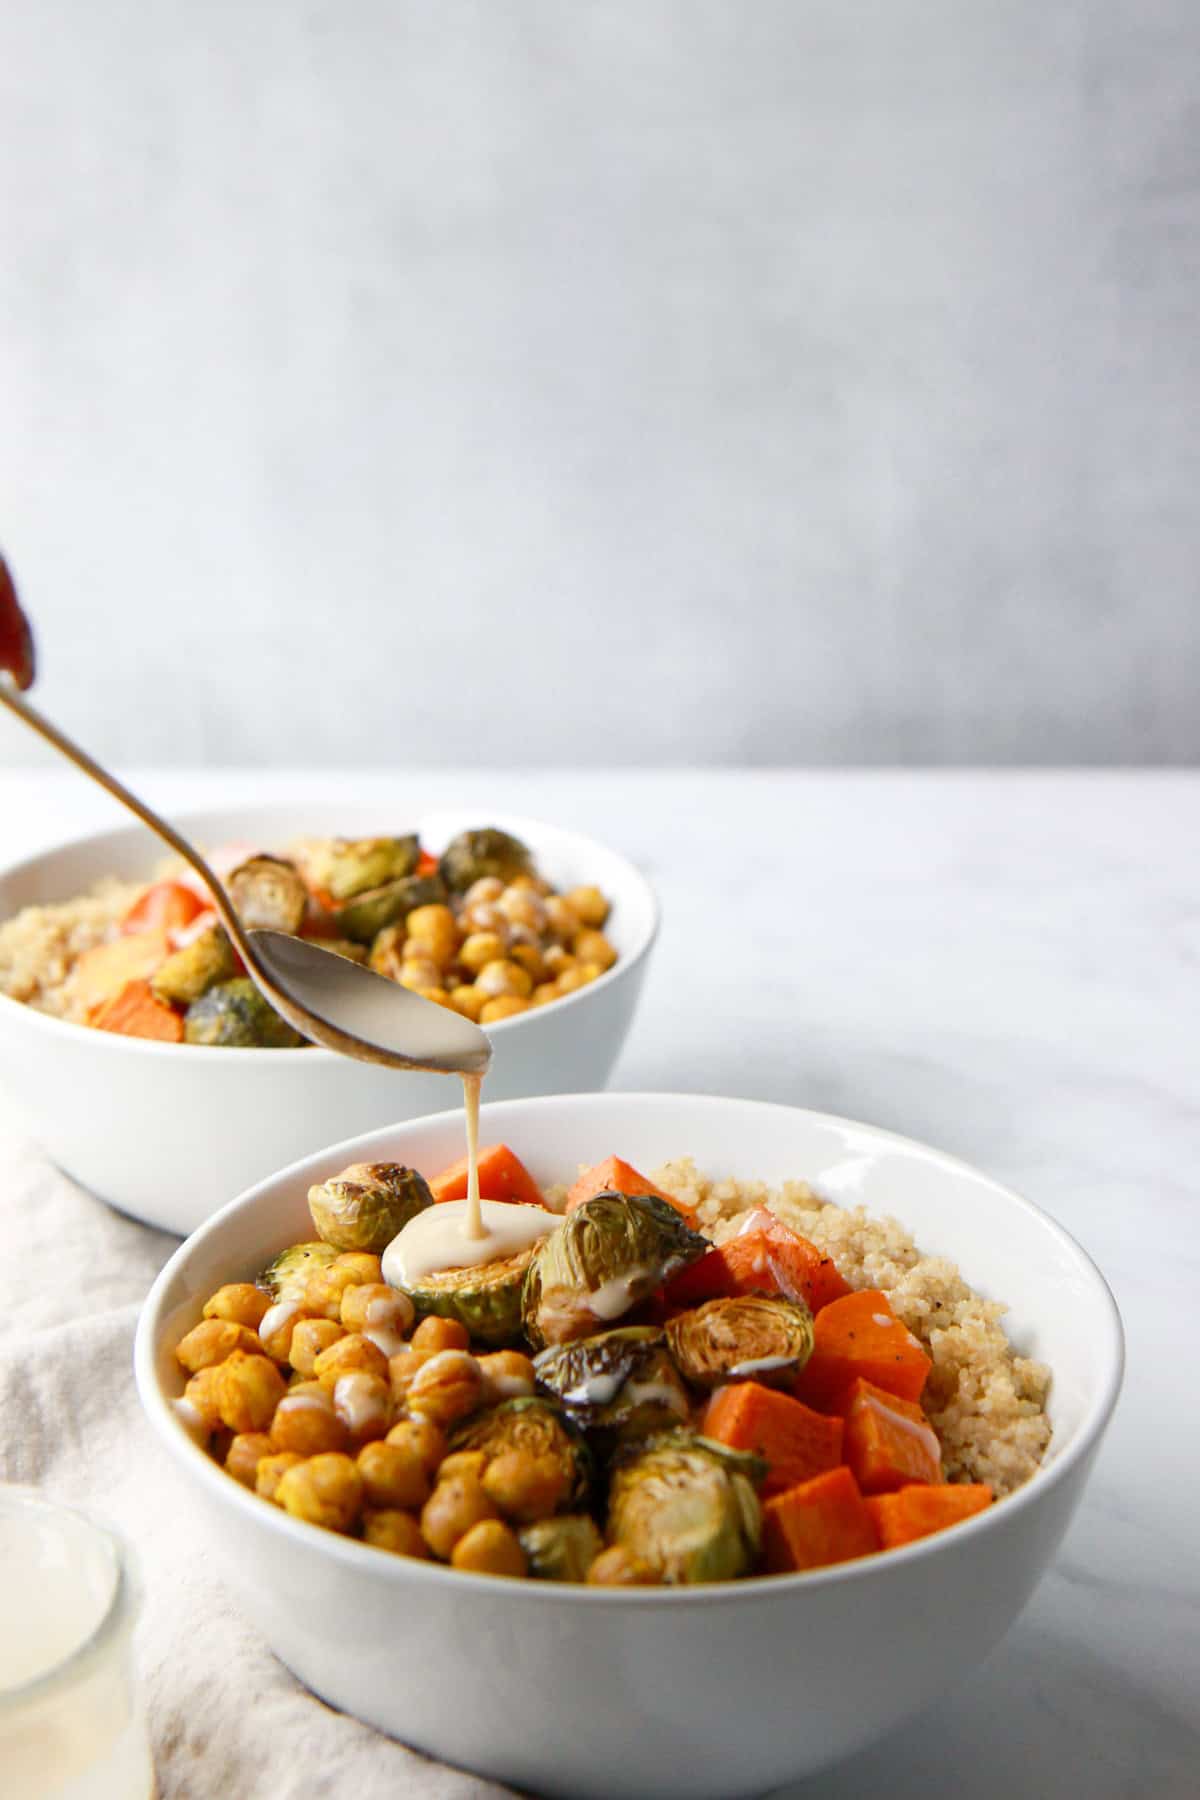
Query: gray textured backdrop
point(769, 380)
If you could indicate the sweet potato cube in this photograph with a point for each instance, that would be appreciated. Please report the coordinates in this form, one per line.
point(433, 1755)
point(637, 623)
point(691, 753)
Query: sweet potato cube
point(889, 1441)
point(821, 1521)
point(794, 1441)
point(860, 1335)
point(918, 1511)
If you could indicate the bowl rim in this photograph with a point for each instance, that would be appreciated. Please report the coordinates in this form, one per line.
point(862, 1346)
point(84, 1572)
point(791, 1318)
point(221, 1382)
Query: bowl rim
point(355, 1555)
point(519, 823)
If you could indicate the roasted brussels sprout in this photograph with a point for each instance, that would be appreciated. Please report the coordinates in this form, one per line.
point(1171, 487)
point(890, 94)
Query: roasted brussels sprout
point(487, 1299)
point(367, 1204)
point(343, 867)
point(366, 914)
point(563, 1548)
point(190, 972)
point(686, 1510)
point(538, 1427)
point(235, 1013)
point(620, 1381)
point(608, 1254)
point(751, 1337)
point(287, 1277)
point(488, 851)
point(268, 894)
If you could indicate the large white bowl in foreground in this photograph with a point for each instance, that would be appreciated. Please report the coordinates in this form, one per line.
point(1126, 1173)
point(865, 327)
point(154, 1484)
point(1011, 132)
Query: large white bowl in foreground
point(168, 1131)
point(704, 1693)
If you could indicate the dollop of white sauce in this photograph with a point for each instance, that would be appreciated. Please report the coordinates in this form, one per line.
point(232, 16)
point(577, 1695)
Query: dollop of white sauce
point(435, 1240)
point(615, 1297)
point(755, 1365)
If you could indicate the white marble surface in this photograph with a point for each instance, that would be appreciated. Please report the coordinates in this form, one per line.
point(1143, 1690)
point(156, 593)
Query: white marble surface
point(1006, 966)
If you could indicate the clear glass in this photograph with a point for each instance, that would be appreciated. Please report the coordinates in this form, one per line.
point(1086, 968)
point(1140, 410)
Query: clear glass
point(70, 1724)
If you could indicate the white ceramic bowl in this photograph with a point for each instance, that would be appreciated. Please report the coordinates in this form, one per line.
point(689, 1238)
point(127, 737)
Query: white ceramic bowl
point(713, 1692)
point(168, 1132)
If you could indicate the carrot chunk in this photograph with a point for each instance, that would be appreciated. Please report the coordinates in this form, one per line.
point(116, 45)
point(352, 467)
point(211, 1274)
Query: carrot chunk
point(918, 1511)
point(795, 1442)
point(613, 1175)
point(167, 906)
point(861, 1335)
point(502, 1176)
point(138, 1012)
point(821, 1521)
point(889, 1441)
point(766, 1257)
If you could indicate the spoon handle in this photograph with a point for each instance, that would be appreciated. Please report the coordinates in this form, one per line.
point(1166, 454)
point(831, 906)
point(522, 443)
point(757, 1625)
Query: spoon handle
point(30, 716)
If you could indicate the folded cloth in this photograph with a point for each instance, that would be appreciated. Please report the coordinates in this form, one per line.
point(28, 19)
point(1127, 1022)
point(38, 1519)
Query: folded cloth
point(227, 1721)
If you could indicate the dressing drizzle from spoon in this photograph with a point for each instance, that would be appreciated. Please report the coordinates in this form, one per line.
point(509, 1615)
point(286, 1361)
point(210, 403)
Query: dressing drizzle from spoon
point(472, 1223)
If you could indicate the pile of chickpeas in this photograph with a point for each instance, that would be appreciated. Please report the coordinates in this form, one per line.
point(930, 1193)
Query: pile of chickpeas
point(336, 1409)
point(502, 949)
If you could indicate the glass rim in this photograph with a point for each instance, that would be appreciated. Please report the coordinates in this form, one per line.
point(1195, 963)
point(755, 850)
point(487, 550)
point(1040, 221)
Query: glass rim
point(114, 1620)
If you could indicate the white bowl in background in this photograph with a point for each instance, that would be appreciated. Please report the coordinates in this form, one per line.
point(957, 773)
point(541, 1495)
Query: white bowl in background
point(701, 1693)
point(168, 1132)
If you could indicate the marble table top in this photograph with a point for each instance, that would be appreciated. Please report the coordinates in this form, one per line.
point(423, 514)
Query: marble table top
point(1006, 965)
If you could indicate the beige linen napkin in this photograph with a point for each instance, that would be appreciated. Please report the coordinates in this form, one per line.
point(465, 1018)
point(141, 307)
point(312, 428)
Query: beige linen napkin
point(228, 1722)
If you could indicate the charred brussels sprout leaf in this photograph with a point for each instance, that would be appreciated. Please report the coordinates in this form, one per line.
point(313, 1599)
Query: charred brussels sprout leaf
point(539, 1428)
point(287, 1277)
point(487, 1299)
point(620, 1381)
point(367, 1204)
point(190, 972)
point(563, 1548)
point(608, 1254)
point(685, 1511)
point(268, 894)
point(750, 1337)
point(364, 916)
point(234, 1013)
point(488, 851)
point(343, 867)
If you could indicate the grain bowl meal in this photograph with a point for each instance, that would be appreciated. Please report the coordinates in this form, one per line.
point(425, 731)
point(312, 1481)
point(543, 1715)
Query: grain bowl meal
point(477, 929)
point(627, 1382)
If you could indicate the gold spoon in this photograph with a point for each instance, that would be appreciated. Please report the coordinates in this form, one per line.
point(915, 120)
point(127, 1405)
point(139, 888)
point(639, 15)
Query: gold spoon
point(328, 998)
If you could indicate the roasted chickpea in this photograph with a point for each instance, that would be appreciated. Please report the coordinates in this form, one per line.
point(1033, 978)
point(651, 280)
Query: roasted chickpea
point(618, 1567)
point(502, 977)
point(463, 1462)
point(561, 918)
point(363, 1265)
point(402, 1372)
point(490, 1548)
point(544, 993)
point(557, 959)
point(528, 957)
point(481, 948)
point(378, 1310)
point(507, 1375)
point(487, 889)
point(435, 1333)
point(468, 1001)
point(433, 931)
point(244, 1455)
point(241, 1302)
point(326, 1490)
point(438, 995)
point(249, 1388)
point(271, 1471)
point(387, 951)
point(505, 1006)
point(446, 1387)
point(393, 1476)
point(353, 1351)
point(426, 1440)
point(521, 906)
point(310, 1339)
point(396, 1531)
point(450, 1511)
point(417, 972)
point(524, 1487)
point(325, 1287)
point(212, 1341)
point(363, 1403)
point(484, 915)
point(594, 947)
point(572, 979)
point(201, 1394)
point(305, 1421)
point(589, 904)
point(278, 1324)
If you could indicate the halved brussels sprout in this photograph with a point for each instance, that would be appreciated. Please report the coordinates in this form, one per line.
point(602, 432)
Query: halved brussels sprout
point(487, 1299)
point(751, 1337)
point(367, 1204)
point(190, 972)
point(487, 851)
point(563, 1548)
point(343, 867)
point(685, 1510)
point(607, 1255)
point(287, 1277)
point(235, 1013)
point(268, 894)
point(366, 914)
point(621, 1381)
point(540, 1428)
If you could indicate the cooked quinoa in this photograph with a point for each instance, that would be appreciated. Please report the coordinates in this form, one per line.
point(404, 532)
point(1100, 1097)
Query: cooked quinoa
point(41, 945)
point(986, 1403)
